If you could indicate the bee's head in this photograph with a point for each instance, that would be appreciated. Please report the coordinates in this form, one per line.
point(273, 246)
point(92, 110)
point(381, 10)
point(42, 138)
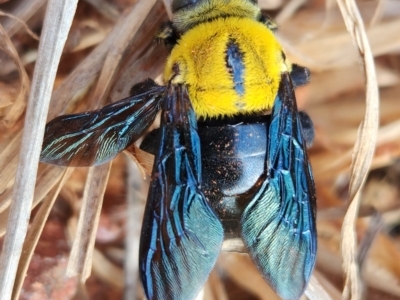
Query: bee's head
point(179, 4)
point(188, 13)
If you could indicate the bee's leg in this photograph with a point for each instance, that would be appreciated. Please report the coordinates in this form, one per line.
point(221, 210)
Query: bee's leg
point(307, 128)
point(299, 75)
point(150, 143)
point(267, 21)
point(142, 87)
point(168, 34)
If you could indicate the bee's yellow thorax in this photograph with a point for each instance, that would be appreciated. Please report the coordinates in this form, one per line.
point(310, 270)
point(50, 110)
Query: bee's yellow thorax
point(199, 60)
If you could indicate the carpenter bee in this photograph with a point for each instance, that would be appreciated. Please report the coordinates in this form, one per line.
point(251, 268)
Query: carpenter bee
point(230, 153)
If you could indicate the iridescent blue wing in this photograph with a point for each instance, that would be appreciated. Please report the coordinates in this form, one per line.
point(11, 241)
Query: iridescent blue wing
point(278, 225)
point(94, 137)
point(181, 235)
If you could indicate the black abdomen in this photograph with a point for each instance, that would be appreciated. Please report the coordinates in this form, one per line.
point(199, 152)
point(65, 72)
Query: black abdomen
point(233, 159)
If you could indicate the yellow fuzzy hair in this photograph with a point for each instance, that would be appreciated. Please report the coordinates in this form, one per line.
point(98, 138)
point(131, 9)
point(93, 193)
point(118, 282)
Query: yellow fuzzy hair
point(199, 61)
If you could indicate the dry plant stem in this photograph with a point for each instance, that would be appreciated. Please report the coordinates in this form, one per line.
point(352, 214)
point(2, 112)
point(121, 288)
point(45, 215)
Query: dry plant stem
point(105, 8)
point(56, 26)
point(239, 268)
point(234, 245)
point(74, 86)
point(375, 225)
point(80, 261)
point(121, 43)
point(270, 4)
point(82, 251)
point(47, 177)
point(23, 12)
point(200, 296)
point(215, 287)
point(19, 104)
point(378, 13)
point(35, 231)
point(315, 291)
point(107, 270)
point(363, 150)
point(145, 167)
point(288, 11)
point(384, 39)
point(135, 201)
point(167, 5)
point(322, 288)
point(22, 23)
point(85, 74)
point(8, 162)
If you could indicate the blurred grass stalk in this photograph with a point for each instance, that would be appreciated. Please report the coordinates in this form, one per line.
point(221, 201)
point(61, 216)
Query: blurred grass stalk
point(363, 153)
point(58, 20)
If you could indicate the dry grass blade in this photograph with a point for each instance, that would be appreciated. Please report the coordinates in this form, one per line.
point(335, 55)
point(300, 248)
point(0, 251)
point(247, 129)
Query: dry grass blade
point(84, 75)
point(167, 5)
point(80, 262)
point(143, 159)
point(234, 245)
point(200, 296)
point(381, 271)
point(135, 200)
point(22, 13)
point(34, 233)
point(106, 269)
point(113, 59)
point(288, 11)
point(73, 87)
point(384, 39)
point(215, 288)
point(378, 13)
point(22, 23)
point(57, 22)
point(375, 225)
point(8, 161)
point(363, 150)
point(320, 288)
point(47, 177)
point(17, 108)
point(105, 8)
point(270, 4)
point(81, 254)
point(240, 268)
point(315, 291)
